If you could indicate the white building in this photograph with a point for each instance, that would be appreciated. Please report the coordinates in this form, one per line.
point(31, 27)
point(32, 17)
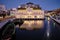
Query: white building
point(29, 10)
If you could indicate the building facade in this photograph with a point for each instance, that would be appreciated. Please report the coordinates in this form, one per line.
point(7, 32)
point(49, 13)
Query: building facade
point(28, 10)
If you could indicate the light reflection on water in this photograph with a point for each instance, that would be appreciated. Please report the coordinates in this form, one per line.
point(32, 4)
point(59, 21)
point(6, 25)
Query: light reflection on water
point(32, 24)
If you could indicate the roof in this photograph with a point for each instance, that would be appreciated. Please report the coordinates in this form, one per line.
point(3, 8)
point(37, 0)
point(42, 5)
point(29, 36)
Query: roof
point(29, 3)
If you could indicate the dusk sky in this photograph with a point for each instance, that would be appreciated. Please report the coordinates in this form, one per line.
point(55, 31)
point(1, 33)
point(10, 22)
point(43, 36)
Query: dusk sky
point(45, 4)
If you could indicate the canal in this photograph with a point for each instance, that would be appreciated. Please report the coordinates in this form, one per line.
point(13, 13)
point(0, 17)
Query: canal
point(38, 30)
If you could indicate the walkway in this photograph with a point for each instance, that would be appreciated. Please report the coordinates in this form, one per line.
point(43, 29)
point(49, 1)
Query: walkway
point(2, 23)
point(58, 21)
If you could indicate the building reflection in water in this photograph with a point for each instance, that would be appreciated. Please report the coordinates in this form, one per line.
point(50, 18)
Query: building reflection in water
point(32, 24)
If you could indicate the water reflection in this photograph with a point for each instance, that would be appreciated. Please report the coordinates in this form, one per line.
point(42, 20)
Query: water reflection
point(32, 24)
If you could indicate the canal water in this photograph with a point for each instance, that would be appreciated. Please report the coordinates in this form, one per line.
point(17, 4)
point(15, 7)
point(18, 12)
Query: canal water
point(38, 30)
point(33, 24)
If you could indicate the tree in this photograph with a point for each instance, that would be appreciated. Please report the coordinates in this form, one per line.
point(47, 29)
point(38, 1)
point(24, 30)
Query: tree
point(4, 14)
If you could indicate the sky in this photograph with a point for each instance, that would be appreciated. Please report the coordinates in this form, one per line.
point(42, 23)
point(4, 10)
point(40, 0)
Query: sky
point(44, 4)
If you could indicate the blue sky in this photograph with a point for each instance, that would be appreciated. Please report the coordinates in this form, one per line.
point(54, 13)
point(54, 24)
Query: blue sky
point(45, 4)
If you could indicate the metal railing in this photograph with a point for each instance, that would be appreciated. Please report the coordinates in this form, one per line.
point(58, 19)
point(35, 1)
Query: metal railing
point(8, 28)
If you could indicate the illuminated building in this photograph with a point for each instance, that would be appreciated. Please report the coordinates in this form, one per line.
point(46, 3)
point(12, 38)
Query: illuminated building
point(29, 10)
point(13, 11)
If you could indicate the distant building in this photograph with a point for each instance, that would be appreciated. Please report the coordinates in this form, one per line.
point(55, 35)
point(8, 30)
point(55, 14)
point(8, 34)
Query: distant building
point(29, 10)
point(13, 11)
point(2, 7)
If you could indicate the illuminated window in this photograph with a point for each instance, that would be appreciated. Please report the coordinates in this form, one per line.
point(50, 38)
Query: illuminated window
point(35, 16)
